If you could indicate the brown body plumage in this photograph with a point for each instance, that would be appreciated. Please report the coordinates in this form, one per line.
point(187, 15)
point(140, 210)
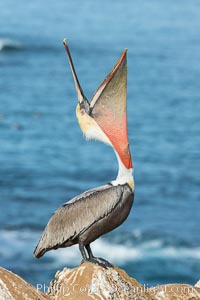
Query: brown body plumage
point(86, 217)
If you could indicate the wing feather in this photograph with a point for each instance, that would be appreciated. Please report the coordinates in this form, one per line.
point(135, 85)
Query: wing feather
point(75, 216)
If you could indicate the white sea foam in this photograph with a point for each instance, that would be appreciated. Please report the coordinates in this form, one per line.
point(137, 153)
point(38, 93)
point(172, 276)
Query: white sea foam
point(14, 241)
point(181, 252)
point(121, 254)
point(112, 252)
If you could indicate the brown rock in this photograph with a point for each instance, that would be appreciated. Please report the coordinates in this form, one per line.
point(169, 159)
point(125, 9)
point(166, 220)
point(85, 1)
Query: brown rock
point(197, 284)
point(89, 281)
point(175, 292)
point(13, 287)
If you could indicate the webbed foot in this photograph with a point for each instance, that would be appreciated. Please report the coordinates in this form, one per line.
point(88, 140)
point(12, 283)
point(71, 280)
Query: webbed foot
point(100, 262)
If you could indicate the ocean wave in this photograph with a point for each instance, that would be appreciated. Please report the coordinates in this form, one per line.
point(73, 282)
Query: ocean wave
point(7, 44)
point(116, 253)
point(122, 254)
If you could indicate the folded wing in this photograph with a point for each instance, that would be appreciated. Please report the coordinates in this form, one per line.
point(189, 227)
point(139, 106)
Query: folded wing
point(74, 217)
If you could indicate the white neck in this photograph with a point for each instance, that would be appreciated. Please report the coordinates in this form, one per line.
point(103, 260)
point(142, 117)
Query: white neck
point(124, 175)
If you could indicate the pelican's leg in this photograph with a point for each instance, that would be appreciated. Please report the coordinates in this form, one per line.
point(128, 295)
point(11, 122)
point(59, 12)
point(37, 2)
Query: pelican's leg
point(82, 250)
point(95, 260)
point(89, 251)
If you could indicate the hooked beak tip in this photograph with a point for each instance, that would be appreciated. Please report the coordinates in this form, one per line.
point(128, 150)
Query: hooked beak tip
point(65, 43)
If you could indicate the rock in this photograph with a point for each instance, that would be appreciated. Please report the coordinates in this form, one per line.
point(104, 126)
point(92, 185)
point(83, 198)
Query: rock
point(175, 292)
point(13, 287)
point(89, 281)
point(197, 284)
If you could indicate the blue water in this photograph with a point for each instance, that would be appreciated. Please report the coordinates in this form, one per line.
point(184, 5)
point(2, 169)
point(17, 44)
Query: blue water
point(44, 160)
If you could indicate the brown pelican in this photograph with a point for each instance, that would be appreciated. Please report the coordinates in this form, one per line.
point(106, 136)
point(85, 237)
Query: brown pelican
point(98, 211)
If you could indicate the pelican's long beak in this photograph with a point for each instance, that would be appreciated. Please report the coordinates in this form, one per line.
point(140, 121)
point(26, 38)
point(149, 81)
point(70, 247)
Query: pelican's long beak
point(107, 107)
point(83, 102)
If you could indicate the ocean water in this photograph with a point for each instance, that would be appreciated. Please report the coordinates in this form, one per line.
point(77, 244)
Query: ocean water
point(44, 160)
